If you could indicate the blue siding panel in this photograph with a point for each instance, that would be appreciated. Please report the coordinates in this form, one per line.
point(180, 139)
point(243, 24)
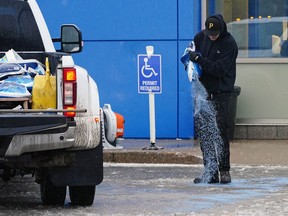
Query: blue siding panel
point(189, 18)
point(116, 19)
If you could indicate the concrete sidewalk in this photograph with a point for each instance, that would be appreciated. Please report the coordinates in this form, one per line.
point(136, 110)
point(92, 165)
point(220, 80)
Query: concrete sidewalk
point(243, 152)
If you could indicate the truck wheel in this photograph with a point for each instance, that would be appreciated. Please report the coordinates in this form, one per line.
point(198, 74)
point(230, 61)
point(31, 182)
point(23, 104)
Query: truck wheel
point(52, 194)
point(82, 195)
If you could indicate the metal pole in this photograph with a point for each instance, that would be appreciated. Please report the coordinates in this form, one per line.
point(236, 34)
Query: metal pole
point(152, 123)
point(152, 118)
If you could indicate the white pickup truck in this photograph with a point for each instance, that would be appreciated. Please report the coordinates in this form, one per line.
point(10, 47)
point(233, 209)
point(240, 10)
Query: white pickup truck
point(60, 147)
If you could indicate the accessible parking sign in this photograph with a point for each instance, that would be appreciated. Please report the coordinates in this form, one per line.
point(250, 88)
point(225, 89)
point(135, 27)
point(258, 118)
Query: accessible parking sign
point(149, 74)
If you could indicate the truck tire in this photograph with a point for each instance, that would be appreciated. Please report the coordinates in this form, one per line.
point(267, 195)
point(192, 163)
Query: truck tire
point(52, 194)
point(82, 195)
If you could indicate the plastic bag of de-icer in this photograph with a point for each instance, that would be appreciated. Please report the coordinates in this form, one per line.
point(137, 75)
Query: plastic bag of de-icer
point(13, 90)
point(8, 69)
point(193, 69)
point(33, 67)
point(25, 80)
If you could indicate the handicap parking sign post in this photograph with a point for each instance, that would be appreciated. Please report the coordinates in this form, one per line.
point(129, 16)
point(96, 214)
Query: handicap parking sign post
point(149, 74)
point(149, 82)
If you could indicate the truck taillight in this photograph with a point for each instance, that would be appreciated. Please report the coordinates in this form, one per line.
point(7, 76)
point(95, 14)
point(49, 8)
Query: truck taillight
point(69, 90)
point(70, 114)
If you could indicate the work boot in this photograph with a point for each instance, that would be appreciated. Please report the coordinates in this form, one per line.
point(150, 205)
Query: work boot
point(205, 178)
point(225, 177)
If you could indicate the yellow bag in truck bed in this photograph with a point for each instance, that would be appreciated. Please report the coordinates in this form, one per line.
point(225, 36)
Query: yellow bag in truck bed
point(44, 90)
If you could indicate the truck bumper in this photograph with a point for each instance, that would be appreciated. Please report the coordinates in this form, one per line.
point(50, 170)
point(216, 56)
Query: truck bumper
point(40, 142)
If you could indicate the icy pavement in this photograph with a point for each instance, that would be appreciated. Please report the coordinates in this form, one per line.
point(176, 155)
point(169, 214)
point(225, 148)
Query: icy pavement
point(170, 191)
point(162, 189)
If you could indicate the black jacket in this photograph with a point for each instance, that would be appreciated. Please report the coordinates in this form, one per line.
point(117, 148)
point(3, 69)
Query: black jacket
point(218, 60)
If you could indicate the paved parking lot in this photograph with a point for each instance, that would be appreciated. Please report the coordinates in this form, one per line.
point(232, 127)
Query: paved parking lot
point(259, 184)
point(162, 189)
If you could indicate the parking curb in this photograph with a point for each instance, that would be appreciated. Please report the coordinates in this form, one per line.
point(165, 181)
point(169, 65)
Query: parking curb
point(146, 156)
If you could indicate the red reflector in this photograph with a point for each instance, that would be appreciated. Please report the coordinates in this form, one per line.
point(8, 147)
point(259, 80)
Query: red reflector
point(70, 114)
point(69, 74)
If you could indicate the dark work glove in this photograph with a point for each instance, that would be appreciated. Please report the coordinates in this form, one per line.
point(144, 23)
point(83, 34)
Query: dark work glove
point(194, 57)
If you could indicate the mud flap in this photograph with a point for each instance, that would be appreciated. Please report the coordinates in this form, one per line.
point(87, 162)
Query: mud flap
point(87, 169)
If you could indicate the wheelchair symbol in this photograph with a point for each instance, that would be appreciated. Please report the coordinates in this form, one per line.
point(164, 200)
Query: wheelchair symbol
point(146, 70)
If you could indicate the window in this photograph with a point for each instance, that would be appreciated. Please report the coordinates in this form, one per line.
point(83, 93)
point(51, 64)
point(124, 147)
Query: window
point(258, 26)
point(18, 29)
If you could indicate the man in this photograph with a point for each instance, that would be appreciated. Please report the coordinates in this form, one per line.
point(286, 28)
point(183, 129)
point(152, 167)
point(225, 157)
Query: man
point(216, 53)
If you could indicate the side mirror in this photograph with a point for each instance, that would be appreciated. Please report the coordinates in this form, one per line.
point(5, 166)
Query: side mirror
point(71, 39)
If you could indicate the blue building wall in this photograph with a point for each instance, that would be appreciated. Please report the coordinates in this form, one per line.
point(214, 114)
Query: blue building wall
point(114, 33)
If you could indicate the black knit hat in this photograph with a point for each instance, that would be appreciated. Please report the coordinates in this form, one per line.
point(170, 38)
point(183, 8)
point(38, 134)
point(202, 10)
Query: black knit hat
point(212, 26)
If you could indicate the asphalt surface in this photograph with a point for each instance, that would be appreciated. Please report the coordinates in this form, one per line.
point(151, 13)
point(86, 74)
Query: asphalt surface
point(171, 151)
point(161, 190)
point(149, 182)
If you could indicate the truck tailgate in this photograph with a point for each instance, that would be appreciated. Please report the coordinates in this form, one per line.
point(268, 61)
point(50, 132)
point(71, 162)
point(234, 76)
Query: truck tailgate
point(12, 124)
